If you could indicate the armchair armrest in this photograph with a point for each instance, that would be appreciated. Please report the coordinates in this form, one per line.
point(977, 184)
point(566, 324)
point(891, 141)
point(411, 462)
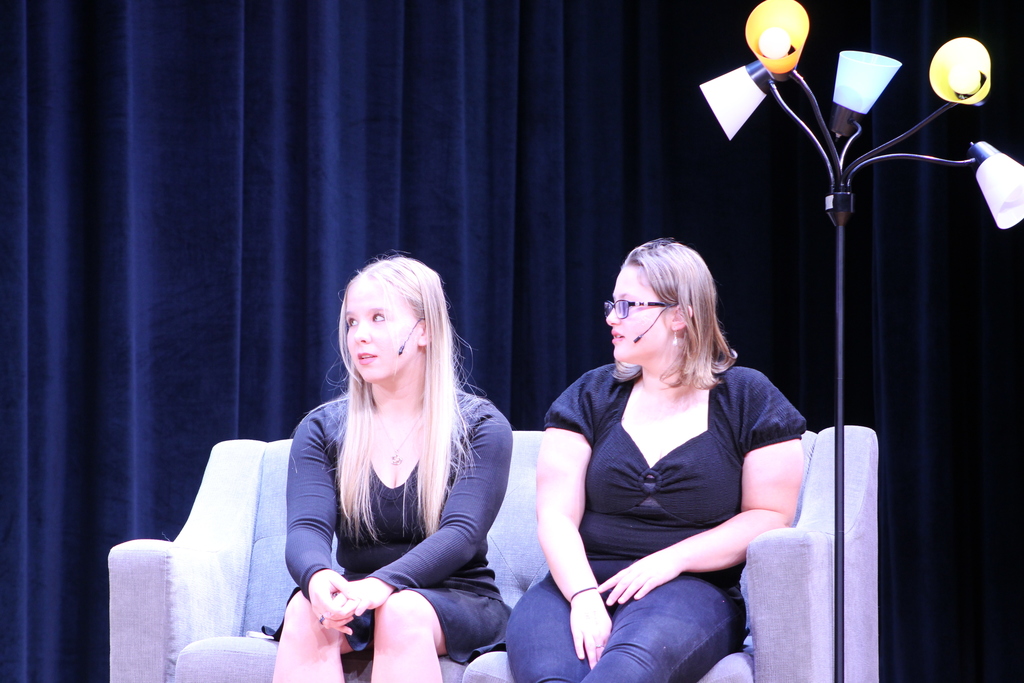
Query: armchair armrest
point(788, 590)
point(789, 573)
point(165, 595)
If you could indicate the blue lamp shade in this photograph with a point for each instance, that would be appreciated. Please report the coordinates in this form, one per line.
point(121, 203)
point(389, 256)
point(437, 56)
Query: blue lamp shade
point(734, 96)
point(1002, 182)
point(860, 79)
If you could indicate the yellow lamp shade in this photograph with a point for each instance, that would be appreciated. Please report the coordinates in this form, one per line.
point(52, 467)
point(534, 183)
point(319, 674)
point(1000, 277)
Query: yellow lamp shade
point(769, 26)
point(961, 71)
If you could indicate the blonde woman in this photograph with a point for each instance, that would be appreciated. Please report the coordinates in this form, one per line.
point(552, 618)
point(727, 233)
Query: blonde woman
point(408, 471)
point(654, 475)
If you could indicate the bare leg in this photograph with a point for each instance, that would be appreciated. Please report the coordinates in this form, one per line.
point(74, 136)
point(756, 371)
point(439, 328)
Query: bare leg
point(308, 651)
point(407, 639)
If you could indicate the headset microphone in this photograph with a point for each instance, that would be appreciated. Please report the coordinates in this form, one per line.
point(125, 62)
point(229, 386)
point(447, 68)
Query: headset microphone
point(641, 335)
point(402, 347)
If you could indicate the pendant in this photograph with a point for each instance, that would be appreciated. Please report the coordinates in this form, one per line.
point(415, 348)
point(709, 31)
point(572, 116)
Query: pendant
point(396, 459)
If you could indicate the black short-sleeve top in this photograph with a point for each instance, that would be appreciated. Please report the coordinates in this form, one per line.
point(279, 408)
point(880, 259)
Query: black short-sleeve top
point(633, 509)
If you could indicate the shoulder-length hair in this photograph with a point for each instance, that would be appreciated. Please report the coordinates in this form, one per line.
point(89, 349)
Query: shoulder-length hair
point(445, 451)
point(678, 275)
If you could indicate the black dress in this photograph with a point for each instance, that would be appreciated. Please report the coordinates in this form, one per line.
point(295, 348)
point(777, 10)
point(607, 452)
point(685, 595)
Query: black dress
point(449, 567)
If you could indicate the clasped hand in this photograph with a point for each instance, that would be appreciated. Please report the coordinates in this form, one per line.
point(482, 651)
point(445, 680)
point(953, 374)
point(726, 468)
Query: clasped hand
point(338, 600)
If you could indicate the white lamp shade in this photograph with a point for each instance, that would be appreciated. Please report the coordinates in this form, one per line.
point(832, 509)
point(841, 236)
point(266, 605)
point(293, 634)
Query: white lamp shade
point(860, 79)
point(733, 98)
point(1002, 182)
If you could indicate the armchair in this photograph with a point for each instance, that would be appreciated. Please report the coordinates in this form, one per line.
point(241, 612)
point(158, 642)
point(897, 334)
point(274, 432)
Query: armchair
point(224, 577)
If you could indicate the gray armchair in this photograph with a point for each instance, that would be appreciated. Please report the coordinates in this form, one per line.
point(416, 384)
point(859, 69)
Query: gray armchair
point(181, 611)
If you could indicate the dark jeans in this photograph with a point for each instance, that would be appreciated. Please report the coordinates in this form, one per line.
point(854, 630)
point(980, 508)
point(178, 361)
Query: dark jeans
point(675, 633)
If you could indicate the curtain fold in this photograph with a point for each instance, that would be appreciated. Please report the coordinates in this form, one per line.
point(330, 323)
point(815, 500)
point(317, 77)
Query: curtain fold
point(14, 336)
point(186, 187)
point(946, 386)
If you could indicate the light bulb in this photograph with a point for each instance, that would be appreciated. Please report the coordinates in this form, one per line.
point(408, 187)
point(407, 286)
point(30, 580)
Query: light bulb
point(964, 80)
point(774, 43)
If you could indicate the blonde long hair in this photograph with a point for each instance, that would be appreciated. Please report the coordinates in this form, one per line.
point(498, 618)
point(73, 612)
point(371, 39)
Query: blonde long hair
point(678, 275)
point(445, 451)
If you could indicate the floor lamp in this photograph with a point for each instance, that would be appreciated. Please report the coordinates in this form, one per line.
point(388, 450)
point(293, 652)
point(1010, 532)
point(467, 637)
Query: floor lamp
point(960, 73)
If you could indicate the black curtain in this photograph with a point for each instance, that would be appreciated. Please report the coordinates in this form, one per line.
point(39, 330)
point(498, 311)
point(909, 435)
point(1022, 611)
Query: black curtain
point(186, 186)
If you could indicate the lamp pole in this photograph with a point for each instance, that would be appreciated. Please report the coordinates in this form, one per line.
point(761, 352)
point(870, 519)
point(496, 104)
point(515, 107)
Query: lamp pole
point(839, 205)
point(960, 73)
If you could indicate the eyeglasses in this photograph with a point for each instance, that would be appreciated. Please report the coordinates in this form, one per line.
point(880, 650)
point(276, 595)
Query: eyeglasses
point(621, 307)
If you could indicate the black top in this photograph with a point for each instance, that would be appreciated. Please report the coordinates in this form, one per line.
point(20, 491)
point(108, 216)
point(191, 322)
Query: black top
point(633, 509)
point(455, 556)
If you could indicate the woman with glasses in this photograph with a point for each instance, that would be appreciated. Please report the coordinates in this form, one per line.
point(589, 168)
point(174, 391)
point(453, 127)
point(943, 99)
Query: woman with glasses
point(654, 475)
point(408, 471)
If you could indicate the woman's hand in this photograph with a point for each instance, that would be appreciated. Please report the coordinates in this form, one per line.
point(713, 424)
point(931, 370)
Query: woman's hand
point(590, 624)
point(641, 577)
point(358, 596)
point(324, 588)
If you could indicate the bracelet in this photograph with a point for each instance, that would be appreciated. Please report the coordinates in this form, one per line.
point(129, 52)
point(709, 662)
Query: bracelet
point(582, 590)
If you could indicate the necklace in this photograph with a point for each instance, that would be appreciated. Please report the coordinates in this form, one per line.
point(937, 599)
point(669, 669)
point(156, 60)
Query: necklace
point(396, 459)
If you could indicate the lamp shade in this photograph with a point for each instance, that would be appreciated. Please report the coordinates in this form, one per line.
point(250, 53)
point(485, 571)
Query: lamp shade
point(961, 71)
point(734, 96)
point(770, 26)
point(860, 79)
point(1002, 182)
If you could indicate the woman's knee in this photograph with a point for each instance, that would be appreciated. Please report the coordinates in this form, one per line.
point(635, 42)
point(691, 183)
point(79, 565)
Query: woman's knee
point(298, 614)
point(302, 627)
point(406, 615)
point(539, 639)
point(688, 627)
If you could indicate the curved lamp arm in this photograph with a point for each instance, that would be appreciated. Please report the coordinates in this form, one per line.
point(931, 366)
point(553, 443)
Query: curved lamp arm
point(833, 154)
point(848, 175)
point(849, 141)
point(867, 157)
point(817, 144)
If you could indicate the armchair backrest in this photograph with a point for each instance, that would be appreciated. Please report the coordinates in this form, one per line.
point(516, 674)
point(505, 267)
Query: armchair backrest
point(512, 548)
point(269, 582)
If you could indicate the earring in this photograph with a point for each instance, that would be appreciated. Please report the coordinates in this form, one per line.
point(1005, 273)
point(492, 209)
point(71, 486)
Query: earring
point(675, 340)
